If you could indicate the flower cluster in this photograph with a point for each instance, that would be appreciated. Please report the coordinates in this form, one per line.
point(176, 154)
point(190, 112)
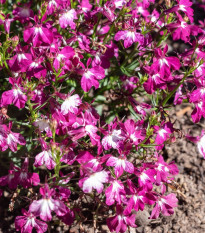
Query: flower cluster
point(84, 93)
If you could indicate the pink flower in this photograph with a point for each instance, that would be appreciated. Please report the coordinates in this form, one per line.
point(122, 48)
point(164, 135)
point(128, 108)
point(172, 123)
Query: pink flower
point(38, 34)
point(47, 204)
point(201, 144)
point(134, 131)
point(91, 76)
point(94, 180)
point(15, 96)
point(45, 157)
point(162, 64)
point(25, 178)
point(10, 179)
point(120, 222)
point(67, 19)
point(163, 133)
point(198, 112)
point(115, 192)
point(120, 164)
point(26, 223)
point(165, 204)
point(129, 37)
point(139, 197)
point(63, 57)
point(71, 104)
point(13, 139)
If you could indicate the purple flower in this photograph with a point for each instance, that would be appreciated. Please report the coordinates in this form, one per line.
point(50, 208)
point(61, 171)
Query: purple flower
point(91, 76)
point(71, 104)
point(47, 204)
point(165, 204)
point(129, 37)
point(26, 223)
point(120, 222)
point(120, 165)
point(94, 180)
point(67, 19)
point(38, 34)
point(162, 64)
point(115, 192)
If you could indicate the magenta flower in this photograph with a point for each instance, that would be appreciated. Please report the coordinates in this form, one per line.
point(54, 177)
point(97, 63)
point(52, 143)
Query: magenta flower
point(139, 197)
point(67, 19)
point(71, 104)
point(162, 64)
point(25, 178)
point(15, 96)
point(129, 37)
point(115, 192)
point(164, 170)
point(47, 204)
point(45, 157)
point(26, 223)
point(120, 222)
point(94, 180)
point(91, 76)
point(13, 139)
point(201, 144)
point(198, 112)
point(10, 179)
point(135, 131)
point(163, 134)
point(38, 34)
point(63, 56)
point(165, 204)
point(120, 165)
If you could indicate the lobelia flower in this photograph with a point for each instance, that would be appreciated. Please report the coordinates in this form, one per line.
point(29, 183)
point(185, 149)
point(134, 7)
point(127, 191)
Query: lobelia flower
point(135, 132)
point(71, 104)
point(184, 6)
point(88, 161)
point(91, 76)
point(120, 165)
point(47, 204)
point(63, 56)
point(139, 197)
point(20, 61)
point(67, 19)
point(23, 13)
point(114, 137)
point(85, 127)
point(13, 139)
point(129, 37)
point(15, 96)
point(182, 30)
point(165, 204)
point(10, 179)
point(52, 6)
point(145, 177)
point(162, 64)
point(94, 180)
point(120, 222)
point(38, 34)
point(164, 170)
point(163, 134)
point(115, 192)
point(25, 178)
point(3, 136)
point(26, 223)
point(46, 157)
point(198, 112)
